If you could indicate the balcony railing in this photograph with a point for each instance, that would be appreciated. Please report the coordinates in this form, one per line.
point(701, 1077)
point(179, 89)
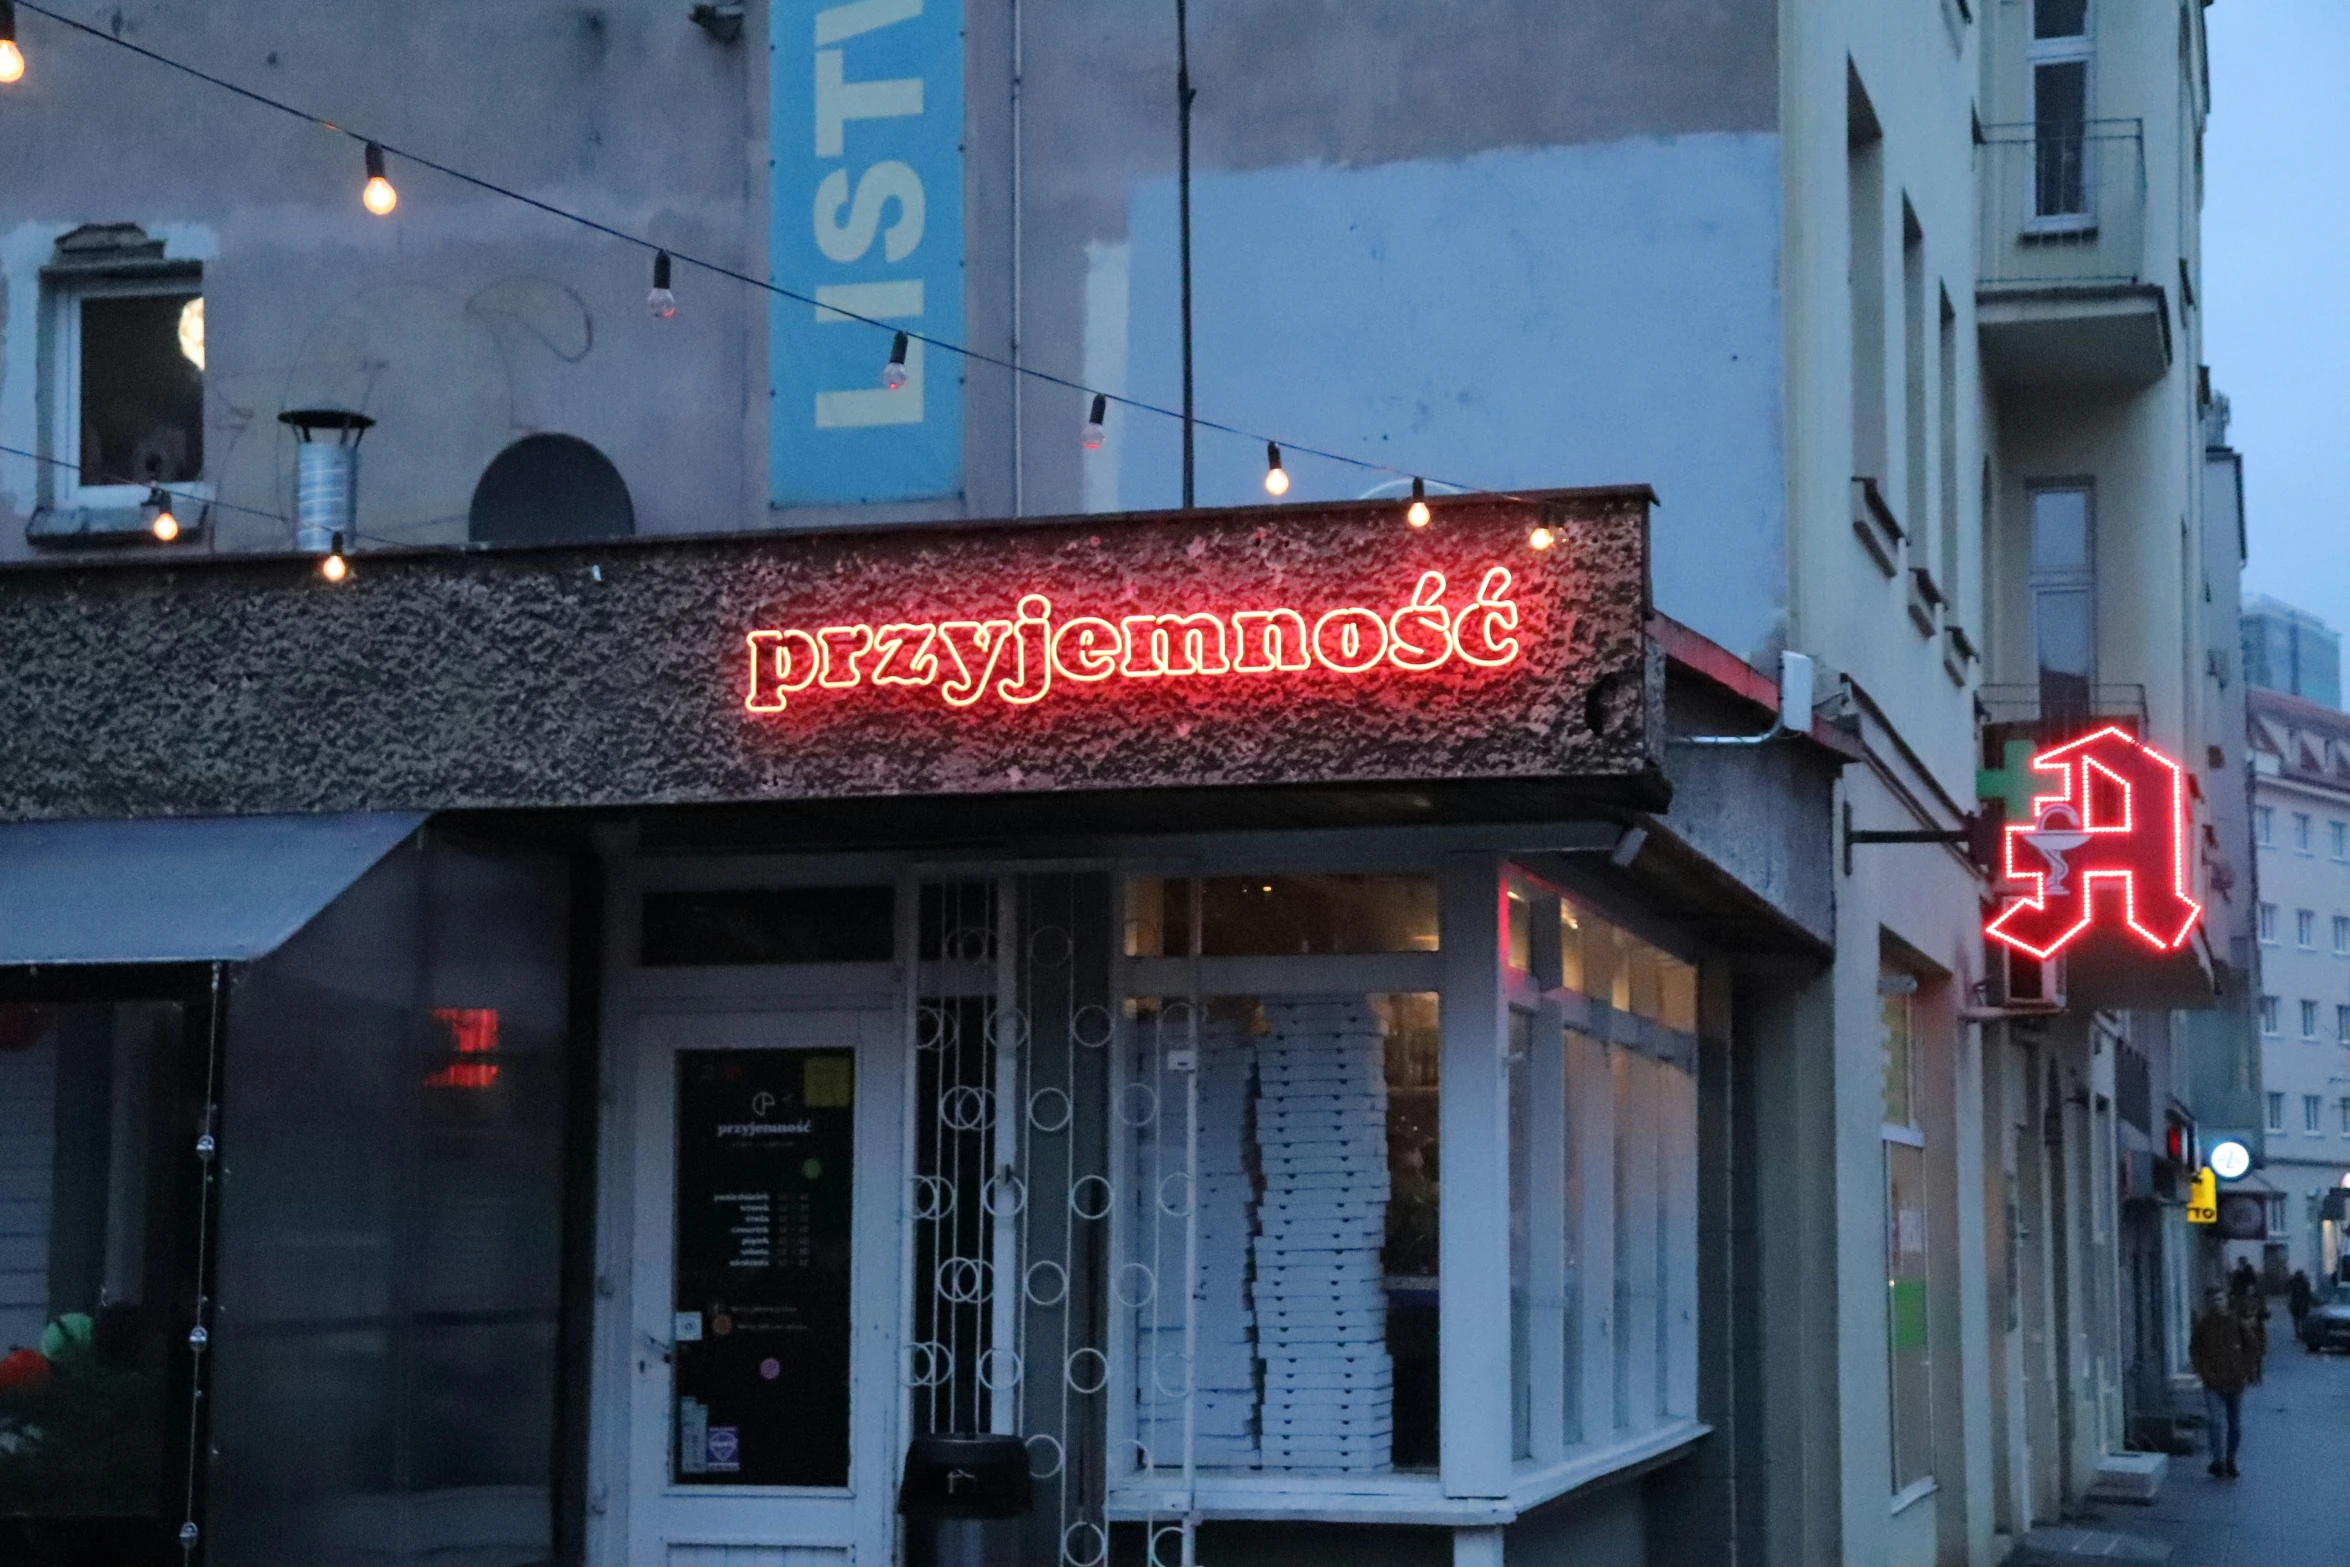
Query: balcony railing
point(2059, 709)
point(2063, 204)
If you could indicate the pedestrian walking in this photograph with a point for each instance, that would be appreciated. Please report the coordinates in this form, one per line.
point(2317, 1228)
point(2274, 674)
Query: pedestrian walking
point(2225, 1359)
point(2243, 1284)
point(2299, 1297)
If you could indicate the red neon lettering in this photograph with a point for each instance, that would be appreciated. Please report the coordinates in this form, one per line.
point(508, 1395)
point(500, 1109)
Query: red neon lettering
point(1420, 633)
point(843, 646)
point(1087, 648)
point(1477, 636)
point(1174, 645)
point(2119, 823)
point(775, 669)
point(903, 656)
point(1019, 659)
point(1269, 639)
point(473, 1031)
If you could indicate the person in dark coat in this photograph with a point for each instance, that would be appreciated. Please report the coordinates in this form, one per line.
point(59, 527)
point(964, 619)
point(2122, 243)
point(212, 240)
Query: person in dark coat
point(2299, 1297)
point(2243, 1285)
point(2225, 1360)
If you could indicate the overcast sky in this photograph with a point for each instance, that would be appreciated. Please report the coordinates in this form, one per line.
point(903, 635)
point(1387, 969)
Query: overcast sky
point(2276, 284)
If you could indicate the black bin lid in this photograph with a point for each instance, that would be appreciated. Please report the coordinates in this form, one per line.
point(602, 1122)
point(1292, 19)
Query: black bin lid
point(966, 1476)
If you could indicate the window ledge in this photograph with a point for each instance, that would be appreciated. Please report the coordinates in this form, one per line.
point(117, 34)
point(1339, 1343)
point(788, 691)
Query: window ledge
point(1913, 1493)
point(1395, 1499)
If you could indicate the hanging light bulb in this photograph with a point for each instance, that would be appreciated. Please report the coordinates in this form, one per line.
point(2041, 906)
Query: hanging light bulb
point(377, 193)
point(332, 565)
point(1276, 477)
point(893, 374)
point(1417, 513)
point(163, 524)
point(11, 57)
point(1541, 539)
point(1095, 433)
point(661, 302)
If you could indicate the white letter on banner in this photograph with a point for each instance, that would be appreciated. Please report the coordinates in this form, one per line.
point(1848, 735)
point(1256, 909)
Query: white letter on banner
point(881, 183)
point(897, 300)
point(839, 101)
point(861, 16)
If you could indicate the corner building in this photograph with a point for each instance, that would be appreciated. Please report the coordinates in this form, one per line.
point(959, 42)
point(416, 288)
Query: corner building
point(682, 1006)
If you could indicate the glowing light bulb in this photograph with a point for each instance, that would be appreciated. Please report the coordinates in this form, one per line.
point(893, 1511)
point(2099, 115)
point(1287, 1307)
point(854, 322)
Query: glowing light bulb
point(661, 302)
point(1276, 477)
point(11, 62)
point(163, 524)
point(377, 193)
point(332, 565)
point(1417, 513)
point(1095, 432)
point(1541, 539)
point(893, 374)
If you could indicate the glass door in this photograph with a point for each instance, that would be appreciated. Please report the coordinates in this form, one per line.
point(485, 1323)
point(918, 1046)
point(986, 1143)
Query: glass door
point(765, 1301)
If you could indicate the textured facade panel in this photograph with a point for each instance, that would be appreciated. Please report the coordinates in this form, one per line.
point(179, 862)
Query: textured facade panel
point(619, 674)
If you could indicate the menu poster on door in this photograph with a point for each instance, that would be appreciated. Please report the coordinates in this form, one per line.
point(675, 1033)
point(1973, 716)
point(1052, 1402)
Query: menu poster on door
point(765, 1140)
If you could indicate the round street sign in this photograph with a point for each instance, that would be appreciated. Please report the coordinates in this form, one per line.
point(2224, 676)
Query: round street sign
point(2230, 1159)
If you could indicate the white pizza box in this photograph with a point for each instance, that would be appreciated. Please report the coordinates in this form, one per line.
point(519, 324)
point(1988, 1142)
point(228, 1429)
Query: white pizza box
point(1293, 1387)
point(1289, 1428)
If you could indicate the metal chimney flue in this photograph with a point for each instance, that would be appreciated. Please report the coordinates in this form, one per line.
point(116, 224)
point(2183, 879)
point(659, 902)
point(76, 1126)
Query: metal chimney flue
point(326, 475)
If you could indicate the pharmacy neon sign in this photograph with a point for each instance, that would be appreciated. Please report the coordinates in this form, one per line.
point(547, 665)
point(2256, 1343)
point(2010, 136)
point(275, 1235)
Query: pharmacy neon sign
point(2110, 848)
point(1020, 658)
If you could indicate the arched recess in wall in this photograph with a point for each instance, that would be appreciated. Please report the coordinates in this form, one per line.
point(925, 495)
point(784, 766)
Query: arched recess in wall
point(549, 489)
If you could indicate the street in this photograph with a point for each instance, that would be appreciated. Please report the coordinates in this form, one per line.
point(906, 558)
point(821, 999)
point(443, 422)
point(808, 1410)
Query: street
point(2286, 1510)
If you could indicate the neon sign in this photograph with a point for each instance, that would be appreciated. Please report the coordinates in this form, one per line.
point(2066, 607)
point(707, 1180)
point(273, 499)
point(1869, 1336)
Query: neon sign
point(2110, 847)
point(1019, 659)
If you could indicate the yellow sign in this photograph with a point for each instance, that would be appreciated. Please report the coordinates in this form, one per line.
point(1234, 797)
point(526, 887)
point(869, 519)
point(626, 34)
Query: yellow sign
point(2203, 1198)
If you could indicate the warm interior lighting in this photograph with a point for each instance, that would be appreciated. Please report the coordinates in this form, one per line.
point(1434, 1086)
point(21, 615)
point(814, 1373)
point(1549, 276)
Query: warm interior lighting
point(191, 332)
point(11, 57)
point(1541, 539)
point(378, 193)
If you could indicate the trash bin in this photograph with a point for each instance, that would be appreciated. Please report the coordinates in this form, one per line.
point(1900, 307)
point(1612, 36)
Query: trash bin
point(963, 1499)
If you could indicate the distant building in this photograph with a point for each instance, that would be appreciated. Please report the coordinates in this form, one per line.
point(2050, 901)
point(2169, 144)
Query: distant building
point(2291, 650)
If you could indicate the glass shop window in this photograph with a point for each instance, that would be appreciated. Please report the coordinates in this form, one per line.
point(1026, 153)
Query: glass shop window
point(100, 1108)
point(1316, 1188)
point(385, 1361)
point(764, 925)
point(1908, 1346)
point(130, 403)
point(1288, 915)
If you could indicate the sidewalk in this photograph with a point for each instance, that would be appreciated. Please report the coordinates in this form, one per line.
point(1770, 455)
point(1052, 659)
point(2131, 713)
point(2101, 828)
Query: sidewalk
point(2289, 1509)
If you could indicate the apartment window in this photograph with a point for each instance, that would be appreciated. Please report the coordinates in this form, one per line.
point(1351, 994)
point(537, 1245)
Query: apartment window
point(2064, 594)
point(2059, 58)
point(2312, 1108)
point(129, 388)
point(2344, 1106)
point(2276, 1112)
point(1907, 1345)
point(2276, 1213)
point(2264, 824)
point(2305, 928)
point(2301, 831)
point(2267, 922)
point(1864, 177)
point(2268, 1015)
point(2342, 1023)
point(2308, 1020)
point(2342, 935)
point(2341, 839)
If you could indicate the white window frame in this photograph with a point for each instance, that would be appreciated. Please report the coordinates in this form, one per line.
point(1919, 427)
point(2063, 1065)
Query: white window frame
point(2342, 935)
point(65, 296)
point(2265, 923)
point(2308, 1019)
point(2272, 1016)
point(2063, 51)
point(2276, 1212)
point(2341, 832)
point(2276, 1111)
point(2301, 823)
point(2313, 1114)
point(2264, 825)
point(2305, 929)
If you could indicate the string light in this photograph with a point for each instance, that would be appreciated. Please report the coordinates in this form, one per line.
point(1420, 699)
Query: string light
point(1541, 539)
point(1417, 513)
point(1095, 431)
point(377, 193)
point(332, 565)
point(11, 57)
point(1276, 477)
point(893, 374)
point(379, 188)
point(661, 302)
point(163, 524)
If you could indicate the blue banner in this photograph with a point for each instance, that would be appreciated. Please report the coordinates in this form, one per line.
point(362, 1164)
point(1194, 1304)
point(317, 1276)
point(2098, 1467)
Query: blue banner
point(867, 200)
